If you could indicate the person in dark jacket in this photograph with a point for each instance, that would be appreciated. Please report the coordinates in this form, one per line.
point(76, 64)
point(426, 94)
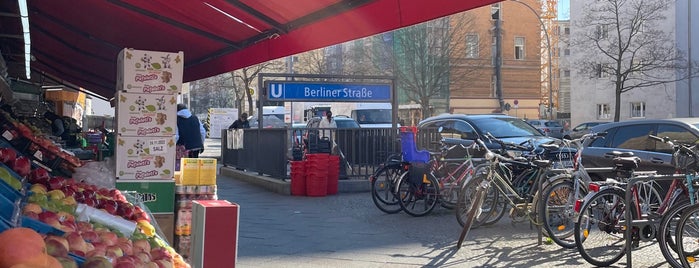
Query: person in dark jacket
point(241, 122)
point(190, 132)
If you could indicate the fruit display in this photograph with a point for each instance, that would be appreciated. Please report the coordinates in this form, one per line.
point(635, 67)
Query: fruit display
point(77, 224)
point(31, 141)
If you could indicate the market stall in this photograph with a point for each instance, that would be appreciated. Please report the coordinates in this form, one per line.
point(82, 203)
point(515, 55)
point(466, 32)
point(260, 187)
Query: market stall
point(133, 210)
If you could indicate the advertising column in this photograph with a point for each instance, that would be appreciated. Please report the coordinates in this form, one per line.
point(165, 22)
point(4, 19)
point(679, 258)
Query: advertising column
point(146, 112)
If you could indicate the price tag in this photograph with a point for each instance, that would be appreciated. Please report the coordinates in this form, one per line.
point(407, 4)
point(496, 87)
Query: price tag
point(7, 135)
point(158, 146)
point(39, 155)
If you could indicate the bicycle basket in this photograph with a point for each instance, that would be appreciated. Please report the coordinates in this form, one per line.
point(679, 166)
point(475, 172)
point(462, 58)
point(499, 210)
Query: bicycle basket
point(684, 161)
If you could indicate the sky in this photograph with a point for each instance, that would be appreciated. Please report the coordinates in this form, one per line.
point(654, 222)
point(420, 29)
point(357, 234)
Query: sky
point(563, 9)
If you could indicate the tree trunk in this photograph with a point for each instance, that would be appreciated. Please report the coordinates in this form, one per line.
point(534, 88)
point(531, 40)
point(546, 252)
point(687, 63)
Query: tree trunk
point(617, 103)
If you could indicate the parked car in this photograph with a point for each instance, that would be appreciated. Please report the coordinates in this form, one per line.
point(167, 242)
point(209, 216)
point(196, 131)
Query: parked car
point(580, 130)
point(548, 127)
point(460, 128)
point(344, 137)
point(632, 136)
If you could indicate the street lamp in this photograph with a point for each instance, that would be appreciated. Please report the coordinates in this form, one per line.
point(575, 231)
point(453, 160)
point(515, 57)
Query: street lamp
point(548, 47)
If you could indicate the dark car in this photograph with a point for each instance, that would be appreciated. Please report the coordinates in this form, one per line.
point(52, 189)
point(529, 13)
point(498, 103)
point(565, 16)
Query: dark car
point(461, 128)
point(632, 136)
point(548, 127)
point(580, 130)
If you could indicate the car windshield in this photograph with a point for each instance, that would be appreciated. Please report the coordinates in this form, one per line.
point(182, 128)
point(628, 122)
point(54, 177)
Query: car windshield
point(505, 127)
point(346, 124)
point(374, 116)
point(553, 124)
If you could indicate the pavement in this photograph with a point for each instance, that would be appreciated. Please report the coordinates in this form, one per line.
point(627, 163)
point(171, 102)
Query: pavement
point(347, 230)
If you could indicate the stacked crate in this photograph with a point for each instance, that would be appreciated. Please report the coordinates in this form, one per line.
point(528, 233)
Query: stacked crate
point(146, 119)
point(333, 174)
point(317, 174)
point(197, 181)
point(298, 178)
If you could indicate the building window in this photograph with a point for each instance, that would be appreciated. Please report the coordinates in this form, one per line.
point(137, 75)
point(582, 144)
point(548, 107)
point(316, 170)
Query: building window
point(495, 11)
point(493, 86)
point(519, 48)
point(566, 30)
point(601, 70)
point(472, 46)
point(638, 109)
point(603, 111)
point(602, 32)
point(566, 52)
point(566, 73)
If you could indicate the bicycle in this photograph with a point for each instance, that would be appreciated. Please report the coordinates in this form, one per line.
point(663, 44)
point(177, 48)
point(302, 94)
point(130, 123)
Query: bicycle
point(524, 184)
point(559, 196)
point(601, 233)
point(385, 179)
point(496, 174)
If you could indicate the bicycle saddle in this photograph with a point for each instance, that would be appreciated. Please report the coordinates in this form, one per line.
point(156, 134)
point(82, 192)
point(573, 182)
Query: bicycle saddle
point(627, 163)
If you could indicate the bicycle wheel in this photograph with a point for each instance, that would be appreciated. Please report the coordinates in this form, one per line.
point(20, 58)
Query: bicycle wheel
point(449, 188)
point(667, 232)
point(467, 195)
point(599, 233)
point(557, 208)
point(687, 236)
point(418, 198)
point(473, 212)
point(383, 187)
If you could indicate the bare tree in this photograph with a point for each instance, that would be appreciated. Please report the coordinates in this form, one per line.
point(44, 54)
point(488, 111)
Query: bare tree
point(632, 47)
point(248, 75)
point(423, 58)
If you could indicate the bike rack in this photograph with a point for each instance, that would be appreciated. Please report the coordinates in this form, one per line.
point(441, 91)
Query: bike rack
point(627, 213)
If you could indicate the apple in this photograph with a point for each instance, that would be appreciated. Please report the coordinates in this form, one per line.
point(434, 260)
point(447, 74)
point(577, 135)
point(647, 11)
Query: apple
point(90, 236)
point(32, 207)
point(68, 226)
point(152, 264)
point(109, 238)
point(76, 242)
point(59, 239)
point(56, 183)
point(96, 252)
point(160, 253)
point(39, 175)
point(125, 262)
point(7, 155)
point(89, 194)
point(110, 206)
point(125, 210)
point(68, 190)
point(84, 226)
point(126, 245)
point(31, 214)
point(142, 245)
point(79, 197)
point(143, 256)
point(90, 202)
point(165, 263)
point(97, 262)
point(103, 192)
point(56, 248)
point(38, 187)
point(22, 166)
point(50, 218)
point(67, 262)
point(116, 250)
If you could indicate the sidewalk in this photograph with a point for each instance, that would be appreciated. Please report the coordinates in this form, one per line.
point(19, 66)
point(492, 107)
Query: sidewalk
point(347, 230)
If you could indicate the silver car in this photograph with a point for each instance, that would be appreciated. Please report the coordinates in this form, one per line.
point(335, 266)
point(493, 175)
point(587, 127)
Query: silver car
point(549, 128)
point(580, 130)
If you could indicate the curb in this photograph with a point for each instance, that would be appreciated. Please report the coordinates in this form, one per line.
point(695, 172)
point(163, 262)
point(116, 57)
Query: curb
point(283, 187)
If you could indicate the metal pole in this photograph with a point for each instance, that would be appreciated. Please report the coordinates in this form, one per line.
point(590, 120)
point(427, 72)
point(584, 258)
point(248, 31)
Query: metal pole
point(689, 55)
point(548, 47)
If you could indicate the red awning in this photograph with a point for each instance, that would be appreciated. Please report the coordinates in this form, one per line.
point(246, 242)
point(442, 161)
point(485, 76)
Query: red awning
point(78, 41)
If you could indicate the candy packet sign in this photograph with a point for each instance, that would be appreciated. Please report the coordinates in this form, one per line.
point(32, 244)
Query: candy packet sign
point(142, 158)
point(142, 71)
point(146, 114)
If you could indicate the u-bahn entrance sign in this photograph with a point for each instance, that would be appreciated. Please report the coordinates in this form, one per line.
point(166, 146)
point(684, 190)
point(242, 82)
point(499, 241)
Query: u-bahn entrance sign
point(319, 91)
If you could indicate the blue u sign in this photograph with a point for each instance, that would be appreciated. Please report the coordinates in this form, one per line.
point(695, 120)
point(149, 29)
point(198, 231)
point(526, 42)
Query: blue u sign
point(305, 91)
